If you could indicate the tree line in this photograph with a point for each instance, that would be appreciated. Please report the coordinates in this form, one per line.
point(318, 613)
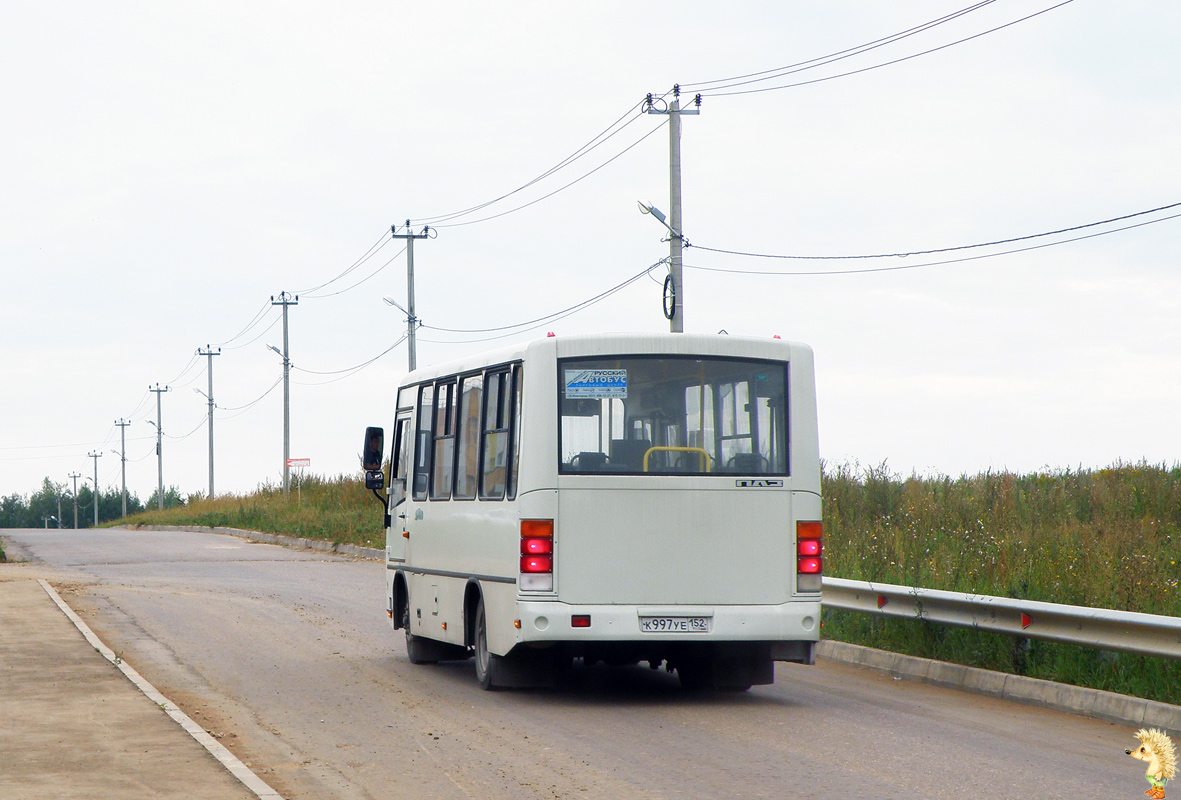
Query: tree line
point(52, 506)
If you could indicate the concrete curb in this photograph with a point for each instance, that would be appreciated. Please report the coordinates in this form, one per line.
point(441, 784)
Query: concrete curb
point(1107, 706)
point(227, 759)
point(275, 538)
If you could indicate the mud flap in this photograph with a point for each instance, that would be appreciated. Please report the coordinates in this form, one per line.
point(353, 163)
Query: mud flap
point(799, 652)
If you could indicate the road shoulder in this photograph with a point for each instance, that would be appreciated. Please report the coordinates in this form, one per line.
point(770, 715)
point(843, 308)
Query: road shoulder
point(75, 727)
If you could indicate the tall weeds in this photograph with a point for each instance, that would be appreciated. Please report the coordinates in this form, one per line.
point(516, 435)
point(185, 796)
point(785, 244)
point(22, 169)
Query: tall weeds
point(1109, 538)
point(336, 509)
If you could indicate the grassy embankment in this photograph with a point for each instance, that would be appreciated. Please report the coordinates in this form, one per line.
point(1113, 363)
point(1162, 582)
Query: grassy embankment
point(1109, 538)
point(337, 509)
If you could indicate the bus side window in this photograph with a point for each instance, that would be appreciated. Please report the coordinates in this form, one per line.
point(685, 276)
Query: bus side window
point(515, 432)
point(495, 438)
point(467, 457)
point(444, 440)
point(422, 442)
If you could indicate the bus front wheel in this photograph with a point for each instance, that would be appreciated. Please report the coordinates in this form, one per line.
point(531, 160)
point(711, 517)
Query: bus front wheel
point(421, 650)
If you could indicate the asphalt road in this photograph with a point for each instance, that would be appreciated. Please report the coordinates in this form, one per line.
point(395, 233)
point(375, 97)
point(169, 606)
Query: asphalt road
point(287, 656)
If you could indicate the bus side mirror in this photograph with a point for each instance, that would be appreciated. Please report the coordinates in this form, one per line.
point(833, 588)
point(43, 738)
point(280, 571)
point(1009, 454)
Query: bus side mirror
point(371, 458)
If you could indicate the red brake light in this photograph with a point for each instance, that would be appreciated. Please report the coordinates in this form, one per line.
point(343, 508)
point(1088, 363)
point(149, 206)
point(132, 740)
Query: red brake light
point(537, 564)
point(533, 547)
point(580, 621)
point(537, 559)
point(809, 566)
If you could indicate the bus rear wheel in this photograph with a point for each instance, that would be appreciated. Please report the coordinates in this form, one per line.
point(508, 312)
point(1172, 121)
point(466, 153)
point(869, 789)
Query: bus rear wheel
point(487, 664)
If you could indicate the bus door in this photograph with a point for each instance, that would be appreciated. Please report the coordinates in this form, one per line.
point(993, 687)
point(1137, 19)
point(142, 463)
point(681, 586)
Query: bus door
point(398, 535)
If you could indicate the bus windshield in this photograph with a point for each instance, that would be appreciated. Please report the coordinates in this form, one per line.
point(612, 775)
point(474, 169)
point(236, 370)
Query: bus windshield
point(672, 415)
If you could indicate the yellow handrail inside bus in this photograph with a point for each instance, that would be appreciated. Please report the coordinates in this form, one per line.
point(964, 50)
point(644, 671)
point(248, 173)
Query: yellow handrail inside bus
point(704, 454)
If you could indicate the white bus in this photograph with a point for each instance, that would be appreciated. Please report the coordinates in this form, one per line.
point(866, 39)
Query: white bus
point(618, 498)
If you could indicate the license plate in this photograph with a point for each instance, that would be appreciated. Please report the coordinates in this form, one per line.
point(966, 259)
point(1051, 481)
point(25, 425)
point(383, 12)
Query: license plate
point(674, 624)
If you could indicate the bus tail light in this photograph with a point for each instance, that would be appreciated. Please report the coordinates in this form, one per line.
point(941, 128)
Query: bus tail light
point(809, 563)
point(537, 555)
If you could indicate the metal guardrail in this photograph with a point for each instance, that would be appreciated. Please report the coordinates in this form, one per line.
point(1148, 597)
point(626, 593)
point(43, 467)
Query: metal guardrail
point(1106, 629)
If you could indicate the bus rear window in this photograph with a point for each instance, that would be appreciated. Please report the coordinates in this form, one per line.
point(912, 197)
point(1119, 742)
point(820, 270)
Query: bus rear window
point(672, 415)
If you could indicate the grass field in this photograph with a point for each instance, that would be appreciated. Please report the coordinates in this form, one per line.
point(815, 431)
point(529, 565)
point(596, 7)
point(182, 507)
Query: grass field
point(1108, 538)
point(336, 509)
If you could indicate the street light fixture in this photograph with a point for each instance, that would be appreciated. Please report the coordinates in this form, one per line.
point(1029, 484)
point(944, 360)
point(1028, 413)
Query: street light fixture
point(648, 208)
point(412, 323)
point(672, 282)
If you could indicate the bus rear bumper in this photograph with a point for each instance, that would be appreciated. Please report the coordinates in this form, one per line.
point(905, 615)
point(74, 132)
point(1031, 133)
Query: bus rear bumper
point(791, 628)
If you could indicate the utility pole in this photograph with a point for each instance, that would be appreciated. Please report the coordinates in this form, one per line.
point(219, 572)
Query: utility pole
point(75, 476)
point(209, 353)
point(96, 457)
point(411, 320)
point(123, 457)
point(159, 448)
point(676, 315)
point(286, 300)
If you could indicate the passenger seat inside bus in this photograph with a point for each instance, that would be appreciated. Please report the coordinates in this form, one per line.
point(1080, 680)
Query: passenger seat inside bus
point(628, 454)
point(589, 461)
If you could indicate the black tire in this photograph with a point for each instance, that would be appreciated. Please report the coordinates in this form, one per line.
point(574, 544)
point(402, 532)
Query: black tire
point(421, 650)
point(487, 664)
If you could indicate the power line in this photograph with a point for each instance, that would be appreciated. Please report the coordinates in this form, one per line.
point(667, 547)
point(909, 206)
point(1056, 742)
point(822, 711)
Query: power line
point(373, 250)
point(594, 143)
point(358, 283)
point(260, 334)
point(799, 66)
point(891, 62)
point(942, 249)
point(182, 437)
point(244, 408)
point(533, 324)
point(350, 371)
point(254, 321)
point(355, 368)
point(560, 188)
point(932, 263)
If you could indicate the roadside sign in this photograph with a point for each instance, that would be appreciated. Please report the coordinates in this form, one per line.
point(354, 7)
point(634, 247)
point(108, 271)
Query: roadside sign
point(299, 462)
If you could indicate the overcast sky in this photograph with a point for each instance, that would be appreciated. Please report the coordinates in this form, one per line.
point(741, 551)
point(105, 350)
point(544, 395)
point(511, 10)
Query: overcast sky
point(168, 167)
